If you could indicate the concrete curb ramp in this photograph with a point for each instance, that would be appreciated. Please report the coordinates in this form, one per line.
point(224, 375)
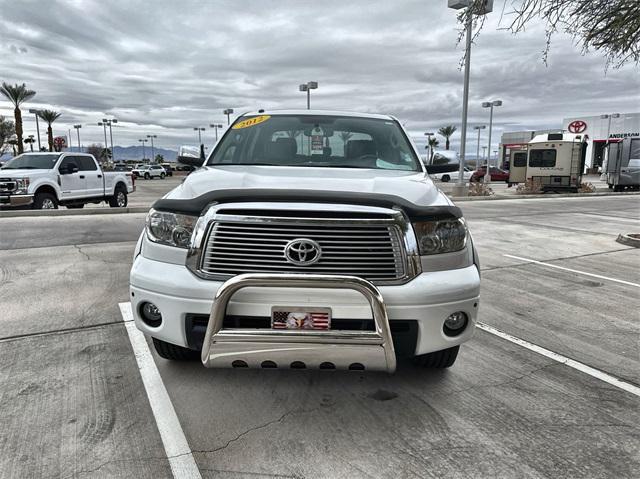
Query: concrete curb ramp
point(629, 239)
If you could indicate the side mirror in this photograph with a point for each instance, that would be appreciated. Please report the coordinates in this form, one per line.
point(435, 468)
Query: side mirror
point(190, 155)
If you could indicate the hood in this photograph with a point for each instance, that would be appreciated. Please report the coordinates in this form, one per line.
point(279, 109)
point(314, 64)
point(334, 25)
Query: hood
point(414, 187)
point(21, 173)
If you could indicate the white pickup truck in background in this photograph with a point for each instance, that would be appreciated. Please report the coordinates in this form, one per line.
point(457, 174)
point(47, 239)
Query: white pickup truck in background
point(48, 180)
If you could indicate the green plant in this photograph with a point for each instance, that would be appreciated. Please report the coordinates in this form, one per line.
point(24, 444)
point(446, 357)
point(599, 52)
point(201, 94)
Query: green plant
point(17, 95)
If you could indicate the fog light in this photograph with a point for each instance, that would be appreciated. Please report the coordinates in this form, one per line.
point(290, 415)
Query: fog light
point(151, 314)
point(455, 323)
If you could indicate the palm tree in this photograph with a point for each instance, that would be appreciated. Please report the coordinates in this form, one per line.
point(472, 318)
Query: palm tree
point(49, 116)
point(433, 143)
point(17, 94)
point(447, 131)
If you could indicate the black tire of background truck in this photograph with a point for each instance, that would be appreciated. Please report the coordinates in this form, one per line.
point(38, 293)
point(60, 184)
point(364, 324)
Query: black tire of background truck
point(173, 352)
point(43, 199)
point(78, 206)
point(147, 176)
point(117, 198)
point(162, 176)
point(445, 178)
point(438, 359)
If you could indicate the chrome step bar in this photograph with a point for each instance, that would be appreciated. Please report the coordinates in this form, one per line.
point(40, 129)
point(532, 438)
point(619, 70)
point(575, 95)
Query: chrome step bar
point(261, 348)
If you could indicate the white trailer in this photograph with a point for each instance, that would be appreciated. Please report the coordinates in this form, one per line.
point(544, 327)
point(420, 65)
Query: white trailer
point(553, 160)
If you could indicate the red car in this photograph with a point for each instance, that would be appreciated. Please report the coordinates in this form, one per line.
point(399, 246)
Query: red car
point(496, 174)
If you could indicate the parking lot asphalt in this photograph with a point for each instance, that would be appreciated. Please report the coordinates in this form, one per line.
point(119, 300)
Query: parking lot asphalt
point(72, 403)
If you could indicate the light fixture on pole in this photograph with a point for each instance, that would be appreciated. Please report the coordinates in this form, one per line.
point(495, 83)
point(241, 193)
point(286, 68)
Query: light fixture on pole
point(478, 127)
point(199, 129)
point(108, 123)
point(31, 141)
point(77, 127)
point(310, 85)
point(36, 112)
point(215, 126)
point(153, 156)
point(490, 104)
point(143, 141)
point(482, 9)
point(429, 134)
point(228, 112)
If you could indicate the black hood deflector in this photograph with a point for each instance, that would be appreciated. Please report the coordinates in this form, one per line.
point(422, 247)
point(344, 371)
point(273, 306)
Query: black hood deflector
point(195, 206)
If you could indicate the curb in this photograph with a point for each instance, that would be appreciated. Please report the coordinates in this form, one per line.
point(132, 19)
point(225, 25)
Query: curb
point(65, 212)
point(548, 196)
point(629, 240)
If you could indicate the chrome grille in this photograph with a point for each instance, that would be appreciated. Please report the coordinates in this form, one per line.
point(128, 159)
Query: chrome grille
point(7, 185)
point(371, 251)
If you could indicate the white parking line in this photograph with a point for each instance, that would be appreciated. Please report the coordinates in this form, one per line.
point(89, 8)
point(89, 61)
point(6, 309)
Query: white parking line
point(180, 457)
point(542, 263)
point(596, 373)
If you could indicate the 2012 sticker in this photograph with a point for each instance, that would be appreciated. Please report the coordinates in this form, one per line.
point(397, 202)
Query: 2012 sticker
point(251, 122)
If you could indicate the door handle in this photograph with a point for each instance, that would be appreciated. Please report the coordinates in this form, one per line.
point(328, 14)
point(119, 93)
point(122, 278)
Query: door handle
point(99, 176)
point(82, 177)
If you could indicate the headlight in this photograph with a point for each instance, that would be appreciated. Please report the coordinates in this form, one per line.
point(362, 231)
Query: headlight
point(172, 229)
point(22, 186)
point(442, 236)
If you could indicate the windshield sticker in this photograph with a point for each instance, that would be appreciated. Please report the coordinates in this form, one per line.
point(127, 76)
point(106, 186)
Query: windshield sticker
point(251, 122)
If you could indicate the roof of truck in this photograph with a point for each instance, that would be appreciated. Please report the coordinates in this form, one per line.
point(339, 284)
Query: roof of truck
point(319, 113)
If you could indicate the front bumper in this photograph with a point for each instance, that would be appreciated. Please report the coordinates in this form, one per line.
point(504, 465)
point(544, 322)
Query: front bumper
point(428, 300)
point(16, 200)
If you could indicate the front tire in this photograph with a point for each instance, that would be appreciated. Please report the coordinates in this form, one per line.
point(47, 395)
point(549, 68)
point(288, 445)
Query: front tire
point(45, 201)
point(147, 176)
point(162, 176)
point(119, 198)
point(173, 352)
point(445, 178)
point(438, 359)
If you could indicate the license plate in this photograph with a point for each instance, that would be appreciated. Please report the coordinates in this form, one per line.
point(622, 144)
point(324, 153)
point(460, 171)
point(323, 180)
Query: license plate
point(288, 317)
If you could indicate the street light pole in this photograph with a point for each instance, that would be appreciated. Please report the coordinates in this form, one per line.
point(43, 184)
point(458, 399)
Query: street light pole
point(311, 85)
point(228, 112)
point(108, 123)
point(143, 141)
point(153, 156)
point(215, 127)
point(106, 145)
point(36, 112)
point(483, 9)
point(490, 104)
point(77, 127)
point(199, 129)
point(479, 127)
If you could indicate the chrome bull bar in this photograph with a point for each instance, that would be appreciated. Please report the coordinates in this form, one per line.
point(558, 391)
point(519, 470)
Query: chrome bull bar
point(256, 348)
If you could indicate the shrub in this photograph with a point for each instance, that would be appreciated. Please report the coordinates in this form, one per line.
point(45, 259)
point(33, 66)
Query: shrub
point(529, 187)
point(479, 189)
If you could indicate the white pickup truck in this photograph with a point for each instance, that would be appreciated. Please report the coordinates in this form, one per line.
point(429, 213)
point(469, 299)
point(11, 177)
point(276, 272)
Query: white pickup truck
point(308, 239)
point(47, 180)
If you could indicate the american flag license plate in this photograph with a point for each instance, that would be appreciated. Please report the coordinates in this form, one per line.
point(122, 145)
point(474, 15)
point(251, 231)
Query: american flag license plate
point(288, 317)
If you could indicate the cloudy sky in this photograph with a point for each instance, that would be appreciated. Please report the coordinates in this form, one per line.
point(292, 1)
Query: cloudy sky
point(165, 66)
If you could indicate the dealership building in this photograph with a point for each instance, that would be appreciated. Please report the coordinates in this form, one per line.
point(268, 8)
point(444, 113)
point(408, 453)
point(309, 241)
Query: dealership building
point(598, 130)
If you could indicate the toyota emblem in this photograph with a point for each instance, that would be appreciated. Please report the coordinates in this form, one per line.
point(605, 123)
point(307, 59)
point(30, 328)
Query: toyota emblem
point(302, 252)
point(577, 126)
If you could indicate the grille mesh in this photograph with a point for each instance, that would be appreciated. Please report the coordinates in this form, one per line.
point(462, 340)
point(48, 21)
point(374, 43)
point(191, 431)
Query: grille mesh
point(370, 251)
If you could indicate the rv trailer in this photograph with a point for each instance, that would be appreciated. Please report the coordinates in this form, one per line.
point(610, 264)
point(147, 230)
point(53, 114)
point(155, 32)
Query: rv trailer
point(622, 165)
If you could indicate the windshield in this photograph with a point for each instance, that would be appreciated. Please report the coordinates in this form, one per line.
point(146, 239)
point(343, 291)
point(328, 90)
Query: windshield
point(320, 141)
point(32, 162)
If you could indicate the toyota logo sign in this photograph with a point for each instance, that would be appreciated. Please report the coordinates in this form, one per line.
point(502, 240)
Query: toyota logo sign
point(577, 126)
point(302, 252)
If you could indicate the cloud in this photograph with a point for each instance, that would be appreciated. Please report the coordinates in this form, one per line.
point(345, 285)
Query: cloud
point(165, 67)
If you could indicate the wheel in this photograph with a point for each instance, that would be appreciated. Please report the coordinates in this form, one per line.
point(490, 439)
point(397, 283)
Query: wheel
point(174, 352)
point(45, 201)
point(438, 359)
point(162, 176)
point(610, 186)
point(119, 198)
point(618, 188)
point(77, 206)
point(445, 178)
point(147, 176)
